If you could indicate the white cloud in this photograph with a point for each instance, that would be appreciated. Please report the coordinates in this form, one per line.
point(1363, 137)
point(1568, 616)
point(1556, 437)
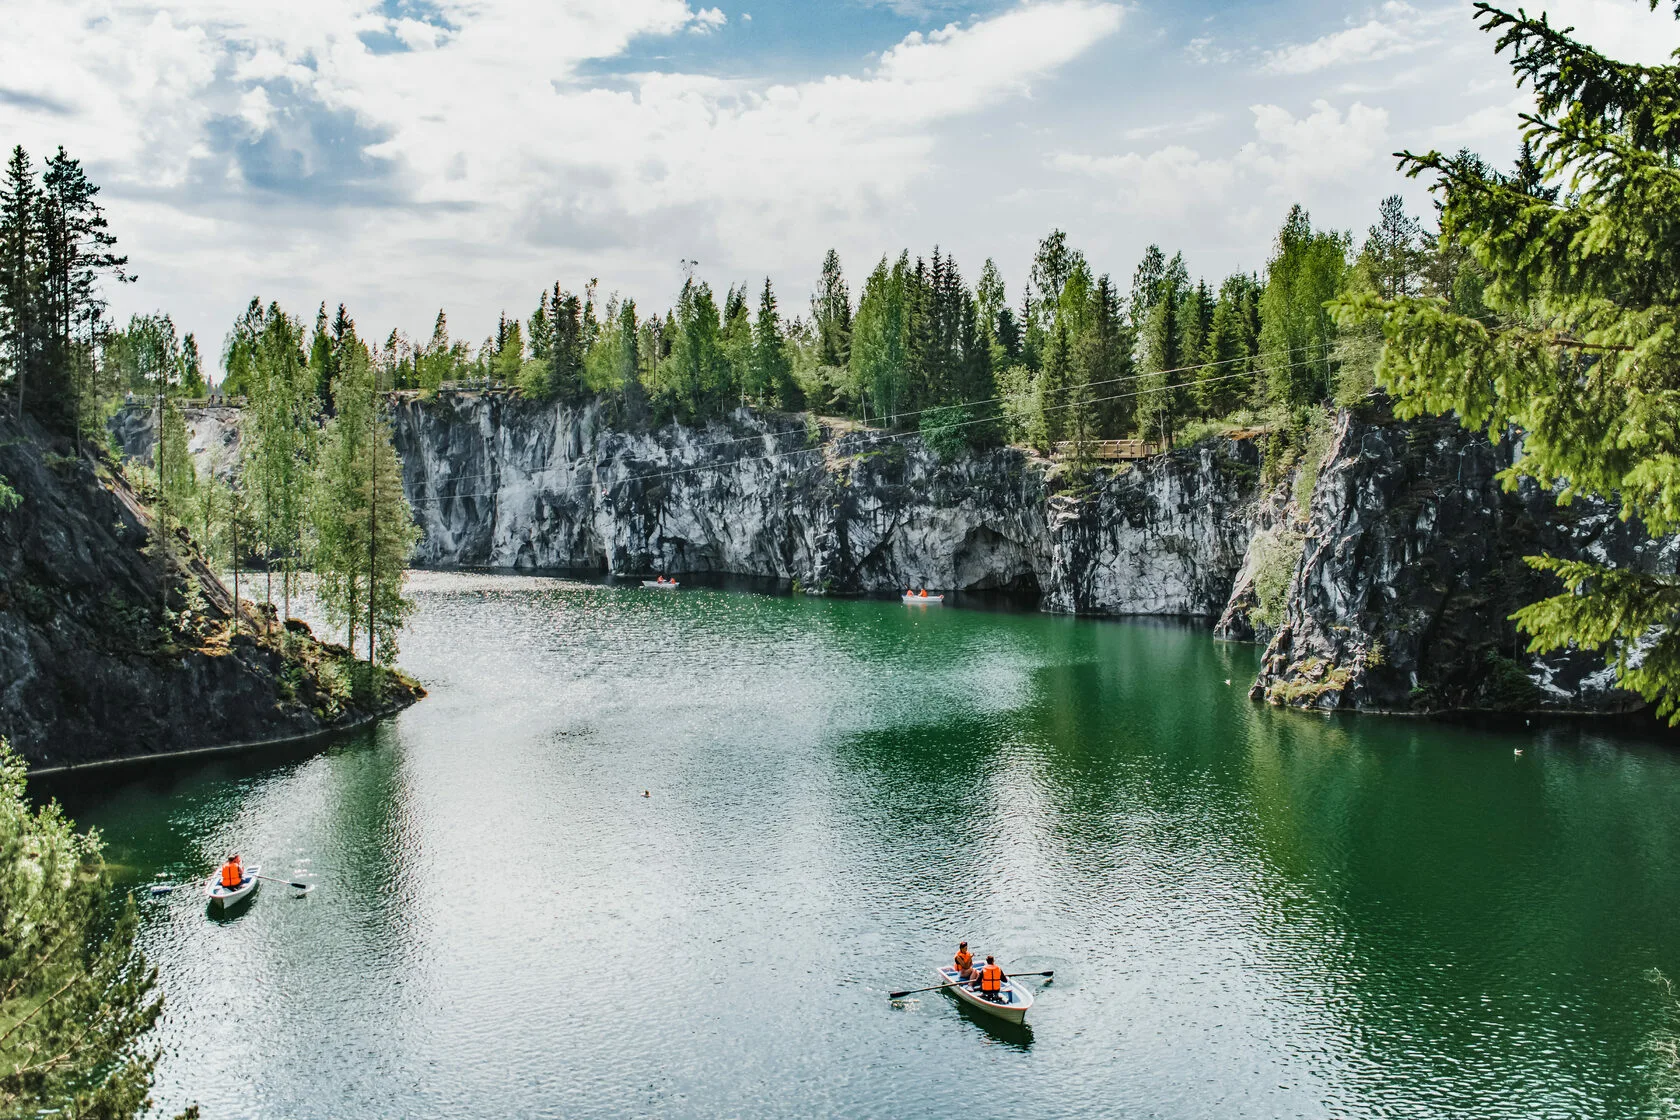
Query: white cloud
point(1287, 155)
point(1398, 29)
point(1204, 52)
point(268, 145)
point(707, 20)
point(1201, 122)
point(1630, 32)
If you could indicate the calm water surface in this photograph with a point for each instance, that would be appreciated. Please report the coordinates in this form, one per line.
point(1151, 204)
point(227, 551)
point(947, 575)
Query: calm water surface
point(1250, 913)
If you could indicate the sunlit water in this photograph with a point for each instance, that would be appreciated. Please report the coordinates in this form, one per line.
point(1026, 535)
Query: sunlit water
point(1250, 913)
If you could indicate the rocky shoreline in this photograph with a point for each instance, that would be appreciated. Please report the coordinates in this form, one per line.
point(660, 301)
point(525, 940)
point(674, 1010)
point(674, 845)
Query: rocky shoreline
point(113, 647)
point(1381, 574)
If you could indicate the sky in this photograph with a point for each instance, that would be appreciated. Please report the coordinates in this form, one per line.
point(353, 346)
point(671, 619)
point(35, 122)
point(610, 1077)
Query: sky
point(402, 156)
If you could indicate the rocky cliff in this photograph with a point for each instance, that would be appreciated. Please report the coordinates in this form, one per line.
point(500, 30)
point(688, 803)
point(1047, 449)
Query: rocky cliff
point(500, 482)
point(1409, 565)
point(112, 646)
point(1381, 575)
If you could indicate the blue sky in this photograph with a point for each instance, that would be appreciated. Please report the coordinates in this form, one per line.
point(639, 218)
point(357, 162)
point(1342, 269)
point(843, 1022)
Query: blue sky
point(399, 155)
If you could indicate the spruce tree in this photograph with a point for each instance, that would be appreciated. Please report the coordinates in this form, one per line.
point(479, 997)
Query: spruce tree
point(878, 339)
point(772, 371)
point(276, 463)
point(1297, 332)
point(831, 312)
point(363, 528)
point(76, 995)
point(1579, 354)
point(78, 253)
point(22, 267)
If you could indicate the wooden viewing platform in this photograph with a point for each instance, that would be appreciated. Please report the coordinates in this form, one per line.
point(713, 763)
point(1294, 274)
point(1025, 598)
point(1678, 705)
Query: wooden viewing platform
point(1112, 450)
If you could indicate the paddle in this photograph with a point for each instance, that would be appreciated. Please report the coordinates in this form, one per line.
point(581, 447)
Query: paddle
point(305, 887)
point(960, 983)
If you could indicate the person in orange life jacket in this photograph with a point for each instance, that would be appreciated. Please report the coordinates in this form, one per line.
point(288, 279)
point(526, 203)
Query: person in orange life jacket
point(924, 593)
point(233, 872)
point(964, 962)
point(991, 979)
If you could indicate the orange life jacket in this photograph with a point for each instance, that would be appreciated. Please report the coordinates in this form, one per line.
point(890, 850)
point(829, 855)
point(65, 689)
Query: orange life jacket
point(924, 593)
point(965, 960)
point(232, 875)
point(991, 978)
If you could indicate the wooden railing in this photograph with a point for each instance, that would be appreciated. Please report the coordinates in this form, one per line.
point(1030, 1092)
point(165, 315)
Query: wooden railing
point(1112, 450)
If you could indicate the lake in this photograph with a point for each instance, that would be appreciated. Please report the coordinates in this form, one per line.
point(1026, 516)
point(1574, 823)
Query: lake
point(1250, 912)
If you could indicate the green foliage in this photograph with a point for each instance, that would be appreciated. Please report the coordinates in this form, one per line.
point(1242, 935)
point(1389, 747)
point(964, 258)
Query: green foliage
point(878, 336)
point(1297, 332)
point(76, 997)
point(9, 499)
point(363, 528)
point(831, 314)
point(55, 249)
point(1277, 553)
point(1314, 441)
point(278, 436)
point(1568, 329)
point(947, 431)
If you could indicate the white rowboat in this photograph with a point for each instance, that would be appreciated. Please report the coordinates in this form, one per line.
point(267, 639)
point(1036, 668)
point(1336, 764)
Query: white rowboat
point(668, 585)
point(926, 600)
point(1014, 1001)
point(227, 897)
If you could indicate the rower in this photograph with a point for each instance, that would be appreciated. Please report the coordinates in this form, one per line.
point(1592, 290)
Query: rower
point(924, 593)
point(233, 873)
point(991, 980)
point(964, 962)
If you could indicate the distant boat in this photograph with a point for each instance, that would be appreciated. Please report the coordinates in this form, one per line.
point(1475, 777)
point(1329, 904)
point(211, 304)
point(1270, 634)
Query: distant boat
point(1012, 1003)
point(229, 897)
point(660, 584)
point(925, 600)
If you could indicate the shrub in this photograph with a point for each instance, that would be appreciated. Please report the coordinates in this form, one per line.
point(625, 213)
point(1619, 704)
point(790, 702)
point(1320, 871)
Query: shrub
point(1277, 553)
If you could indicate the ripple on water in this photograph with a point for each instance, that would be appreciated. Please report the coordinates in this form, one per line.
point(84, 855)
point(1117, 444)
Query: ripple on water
point(1250, 913)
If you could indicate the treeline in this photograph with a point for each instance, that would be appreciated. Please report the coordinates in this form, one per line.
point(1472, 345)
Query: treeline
point(318, 486)
point(1074, 358)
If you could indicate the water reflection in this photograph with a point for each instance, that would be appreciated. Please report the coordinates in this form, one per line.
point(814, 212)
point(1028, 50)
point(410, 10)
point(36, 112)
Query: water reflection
point(1250, 912)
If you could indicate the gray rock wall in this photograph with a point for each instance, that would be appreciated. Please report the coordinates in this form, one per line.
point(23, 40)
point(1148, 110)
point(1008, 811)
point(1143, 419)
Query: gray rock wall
point(1401, 573)
point(499, 482)
point(1410, 570)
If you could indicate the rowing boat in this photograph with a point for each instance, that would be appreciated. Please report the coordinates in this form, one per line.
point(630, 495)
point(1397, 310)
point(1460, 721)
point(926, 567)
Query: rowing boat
point(228, 897)
point(667, 585)
point(925, 600)
point(1012, 1003)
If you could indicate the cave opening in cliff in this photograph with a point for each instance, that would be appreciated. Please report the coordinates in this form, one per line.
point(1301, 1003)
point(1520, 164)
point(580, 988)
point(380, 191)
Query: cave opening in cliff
point(991, 566)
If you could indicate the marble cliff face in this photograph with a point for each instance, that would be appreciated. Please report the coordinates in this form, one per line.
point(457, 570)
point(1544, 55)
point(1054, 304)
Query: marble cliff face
point(1395, 564)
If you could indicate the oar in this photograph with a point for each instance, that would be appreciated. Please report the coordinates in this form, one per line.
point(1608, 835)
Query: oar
point(287, 882)
point(960, 983)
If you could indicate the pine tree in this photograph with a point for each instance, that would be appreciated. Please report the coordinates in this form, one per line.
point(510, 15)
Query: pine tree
point(1393, 252)
point(323, 359)
point(878, 341)
point(1580, 353)
point(1161, 399)
point(192, 369)
point(276, 462)
point(363, 528)
point(76, 994)
point(1102, 361)
point(772, 371)
point(831, 312)
point(1054, 381)
point(22, 268)
point(78, 253)
point(1230, 350)
point(1146, 286)
point(992, 299)
point(1297, 333)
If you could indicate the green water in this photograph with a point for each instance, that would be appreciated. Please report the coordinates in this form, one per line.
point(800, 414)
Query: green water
point(1250, 913)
